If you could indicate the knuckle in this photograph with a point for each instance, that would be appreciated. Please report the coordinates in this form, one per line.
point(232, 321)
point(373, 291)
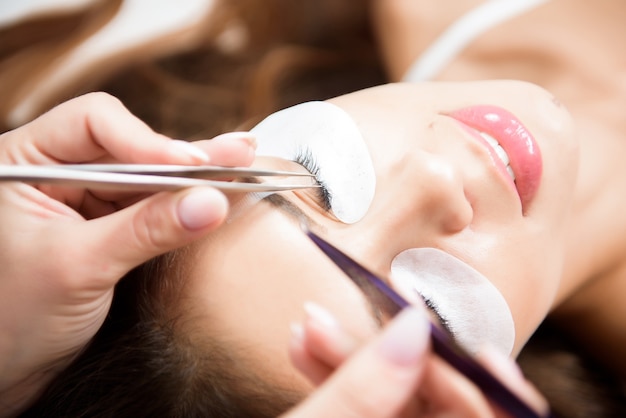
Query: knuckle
point(98, 99)
point(96, 104)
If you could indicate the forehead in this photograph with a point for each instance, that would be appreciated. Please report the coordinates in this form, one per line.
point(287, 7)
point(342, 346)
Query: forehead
point(268, 244)
point(251, 279)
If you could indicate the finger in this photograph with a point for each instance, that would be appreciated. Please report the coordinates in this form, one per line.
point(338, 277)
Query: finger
point(510, 374)
point(380, 379)
point(158, 224)
point(445, 391)
point(324, 337)
point(320, 345)
point(92, 126)
point(230, 149)
point(313, 369)
point(29, 204)
point(92, 205)
point(235, 149)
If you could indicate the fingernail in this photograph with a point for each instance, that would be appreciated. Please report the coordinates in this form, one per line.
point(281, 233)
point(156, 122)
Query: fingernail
point(202, 207)
point(320, 315)
point(191, 150)
point(405, 339)
point(248, 137)
point(297, 333)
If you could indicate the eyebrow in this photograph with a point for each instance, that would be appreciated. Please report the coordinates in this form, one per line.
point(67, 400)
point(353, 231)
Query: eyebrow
point(294, 211)
point(289, 208)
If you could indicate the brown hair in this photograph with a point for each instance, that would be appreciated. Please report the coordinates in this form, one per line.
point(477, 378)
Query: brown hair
point(290, 55)
point(287, 52)
point(151, 359)
point(30, 47)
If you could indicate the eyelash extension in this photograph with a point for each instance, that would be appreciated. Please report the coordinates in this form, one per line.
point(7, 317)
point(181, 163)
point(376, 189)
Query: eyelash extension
point(306, 159)
point(434, 309)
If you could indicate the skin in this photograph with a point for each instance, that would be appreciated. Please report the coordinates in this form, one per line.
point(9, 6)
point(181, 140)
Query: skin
point(56, 285)
point(74, 302)
point(416, 382)
point(459, 204)
point(592, 281)
point(61, 319)
point(557, 34)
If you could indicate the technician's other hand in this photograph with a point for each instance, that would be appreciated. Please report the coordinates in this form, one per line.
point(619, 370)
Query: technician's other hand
point(394, 375)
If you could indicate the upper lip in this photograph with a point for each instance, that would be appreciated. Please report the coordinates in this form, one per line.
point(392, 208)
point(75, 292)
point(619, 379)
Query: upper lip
point(518, 143)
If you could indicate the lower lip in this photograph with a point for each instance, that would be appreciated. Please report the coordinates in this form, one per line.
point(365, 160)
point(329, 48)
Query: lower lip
point(514, 138)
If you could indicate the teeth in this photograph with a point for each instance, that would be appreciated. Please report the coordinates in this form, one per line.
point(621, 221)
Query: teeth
point(499, 152)
point(510, 171)
point(492, 141)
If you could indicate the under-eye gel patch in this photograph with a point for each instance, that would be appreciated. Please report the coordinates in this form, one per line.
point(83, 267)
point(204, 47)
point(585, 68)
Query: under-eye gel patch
point(472, 307)
point(332, 138)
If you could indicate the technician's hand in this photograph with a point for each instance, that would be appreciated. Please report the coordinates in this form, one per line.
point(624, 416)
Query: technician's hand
point(62, 250)
point(394, 375)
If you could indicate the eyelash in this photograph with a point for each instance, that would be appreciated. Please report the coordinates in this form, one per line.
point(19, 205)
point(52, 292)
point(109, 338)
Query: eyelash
point(306, 159)
point(434, 309)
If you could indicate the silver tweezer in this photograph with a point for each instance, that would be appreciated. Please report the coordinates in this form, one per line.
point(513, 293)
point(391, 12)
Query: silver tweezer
point(157, 177)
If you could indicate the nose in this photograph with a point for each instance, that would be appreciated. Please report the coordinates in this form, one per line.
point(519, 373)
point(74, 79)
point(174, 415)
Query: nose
point(421, 202)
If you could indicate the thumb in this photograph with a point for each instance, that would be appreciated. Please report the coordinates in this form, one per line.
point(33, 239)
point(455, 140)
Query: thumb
point(155, 225)
point(381, 379)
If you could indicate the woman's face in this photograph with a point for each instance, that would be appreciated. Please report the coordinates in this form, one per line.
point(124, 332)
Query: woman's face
point(437, 213)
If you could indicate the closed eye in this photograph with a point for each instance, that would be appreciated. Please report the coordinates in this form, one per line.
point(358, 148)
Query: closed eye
point(435, 310)
point(306, 159)
point(384, 309)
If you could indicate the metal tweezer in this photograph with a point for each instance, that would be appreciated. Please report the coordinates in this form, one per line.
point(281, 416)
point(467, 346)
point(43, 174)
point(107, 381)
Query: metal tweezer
point(155, 177)
point(443, 345)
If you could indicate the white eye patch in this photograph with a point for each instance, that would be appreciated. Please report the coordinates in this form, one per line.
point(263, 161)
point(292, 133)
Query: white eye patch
point(332, 138)
point(473, 308)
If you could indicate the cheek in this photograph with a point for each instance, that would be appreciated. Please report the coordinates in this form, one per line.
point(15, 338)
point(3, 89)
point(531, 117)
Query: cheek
point(529, 287)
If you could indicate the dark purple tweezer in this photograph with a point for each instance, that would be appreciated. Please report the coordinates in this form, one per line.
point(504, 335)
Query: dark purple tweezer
point(442, 343)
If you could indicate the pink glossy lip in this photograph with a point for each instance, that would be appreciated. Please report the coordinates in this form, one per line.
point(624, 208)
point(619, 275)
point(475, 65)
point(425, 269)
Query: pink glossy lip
point(522, 149)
